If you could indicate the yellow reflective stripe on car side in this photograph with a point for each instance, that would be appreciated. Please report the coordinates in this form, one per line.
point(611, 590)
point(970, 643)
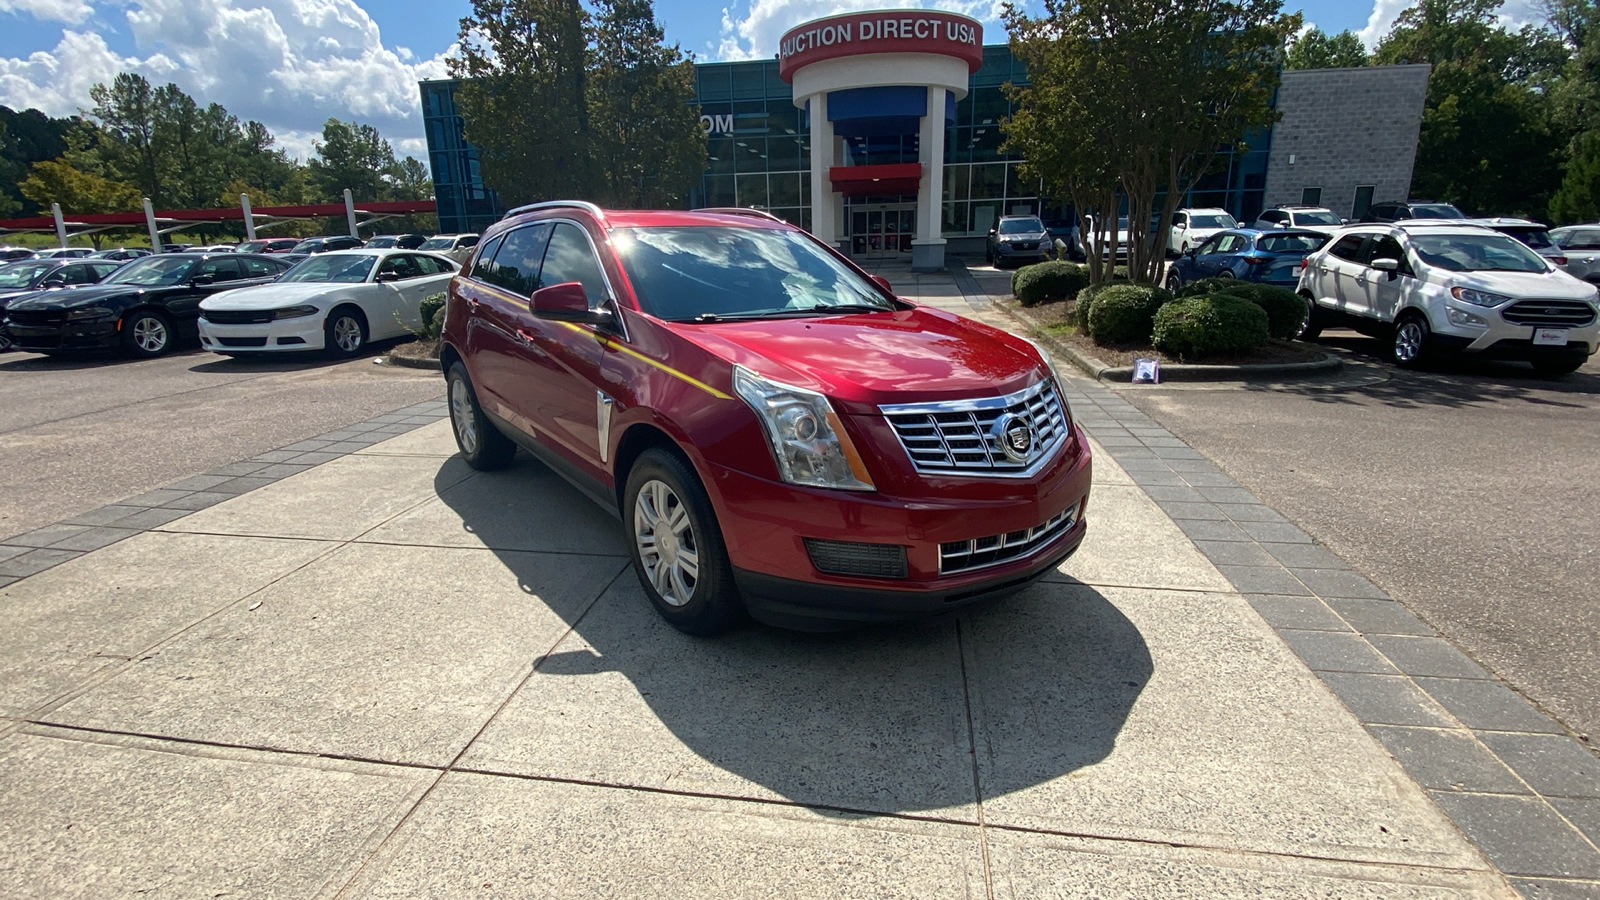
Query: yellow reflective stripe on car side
point(614, 344)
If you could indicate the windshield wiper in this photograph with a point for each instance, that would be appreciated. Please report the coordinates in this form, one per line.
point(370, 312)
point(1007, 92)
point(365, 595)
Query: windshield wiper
point(845, 307)
point(787, 312)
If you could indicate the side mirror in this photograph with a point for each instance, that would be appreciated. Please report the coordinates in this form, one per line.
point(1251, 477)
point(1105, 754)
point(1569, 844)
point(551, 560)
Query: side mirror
point(1192, 252)
point(567, 302)
point(202, 279)
point(883, 282)
point(54, 280)
point(1385, 264)
point(386, 277)
point(1344, 221)
point(993, 232)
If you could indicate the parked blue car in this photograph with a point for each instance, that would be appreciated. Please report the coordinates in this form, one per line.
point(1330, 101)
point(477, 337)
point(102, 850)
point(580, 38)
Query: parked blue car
point(1248, 254)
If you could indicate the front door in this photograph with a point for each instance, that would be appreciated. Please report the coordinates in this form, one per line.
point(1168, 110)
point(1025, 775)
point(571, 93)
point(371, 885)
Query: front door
point(882, 230)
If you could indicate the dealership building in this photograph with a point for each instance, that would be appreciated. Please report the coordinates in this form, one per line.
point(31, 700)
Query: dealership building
point(906, 106)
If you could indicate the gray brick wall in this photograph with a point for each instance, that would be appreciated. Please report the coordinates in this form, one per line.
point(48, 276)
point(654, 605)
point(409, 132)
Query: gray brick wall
point(1344, 128)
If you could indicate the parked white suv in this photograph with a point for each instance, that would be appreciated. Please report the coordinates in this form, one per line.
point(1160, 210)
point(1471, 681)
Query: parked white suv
point(1192, 227)
point(1451, 286)
point(1316, 218)
point(456, 246)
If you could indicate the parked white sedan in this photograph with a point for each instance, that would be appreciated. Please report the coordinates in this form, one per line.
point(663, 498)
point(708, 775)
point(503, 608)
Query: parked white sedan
point(336, 302)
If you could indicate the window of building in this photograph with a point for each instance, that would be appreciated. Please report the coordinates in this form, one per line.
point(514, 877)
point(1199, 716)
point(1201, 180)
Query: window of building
point(1311, 196)
point(1363, 201)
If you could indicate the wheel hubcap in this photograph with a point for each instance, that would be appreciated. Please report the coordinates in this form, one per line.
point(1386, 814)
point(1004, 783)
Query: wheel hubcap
point(347, 334)
point(461, 414)
point(1407, 341)
point(150, 335)
point(666, 543)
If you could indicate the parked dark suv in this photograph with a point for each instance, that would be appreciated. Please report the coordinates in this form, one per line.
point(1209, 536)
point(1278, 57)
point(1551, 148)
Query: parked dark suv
point(1017, 239)
point(778, 432)
point(1398, 210)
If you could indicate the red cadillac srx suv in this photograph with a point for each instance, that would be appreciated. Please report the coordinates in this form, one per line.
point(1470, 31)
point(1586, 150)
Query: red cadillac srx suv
point(778, 432)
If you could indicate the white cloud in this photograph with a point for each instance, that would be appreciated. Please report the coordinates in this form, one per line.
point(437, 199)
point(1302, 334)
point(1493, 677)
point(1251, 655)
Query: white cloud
point(70, 11)
point(754, 33)
point(290, 64)
point(1384, 12)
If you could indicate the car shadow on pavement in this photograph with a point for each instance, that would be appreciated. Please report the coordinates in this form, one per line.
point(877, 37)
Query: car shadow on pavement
point(287, 362)
point(1445, 381)
point(879, 720)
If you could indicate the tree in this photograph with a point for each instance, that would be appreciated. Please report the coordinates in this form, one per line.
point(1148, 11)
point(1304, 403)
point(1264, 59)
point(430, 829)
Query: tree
point(1487, 141)
point(1145, 92)
point(127, 112)
point(648, 143)
point(1317, 50)
point(26, 138)
point(350, 156)
point(1578, 198)
point(409, 180)
point(78, 192)
point(523, 96)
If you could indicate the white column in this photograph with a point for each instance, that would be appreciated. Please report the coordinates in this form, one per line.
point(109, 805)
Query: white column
point(350, 212)
point(823, 201)
point(249, 219)
point(927, 250)
point(150, 223)
point(61, 224)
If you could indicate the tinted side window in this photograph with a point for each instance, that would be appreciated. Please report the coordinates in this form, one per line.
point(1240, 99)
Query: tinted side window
point(432, 265)
point(79, 274)
point(516, 263)
point(468, 242)
point(220, 269)
point(1583, 240)
point(1229, 244)
point(1388, 248)
point(101, 270)
point(485, 258)
point(1209, 246)
point(258, 268)
point(570, 259)
point(1348, 247)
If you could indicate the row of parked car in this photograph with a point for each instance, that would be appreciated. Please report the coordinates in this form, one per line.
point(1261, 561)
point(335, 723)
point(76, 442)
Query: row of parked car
point(455, 246)
point(234, 303)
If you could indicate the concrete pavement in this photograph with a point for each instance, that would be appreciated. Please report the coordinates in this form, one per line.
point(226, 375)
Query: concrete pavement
point(386, 675)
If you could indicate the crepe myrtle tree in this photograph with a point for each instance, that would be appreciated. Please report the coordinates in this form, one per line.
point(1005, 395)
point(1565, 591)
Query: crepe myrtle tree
point(1139, 98)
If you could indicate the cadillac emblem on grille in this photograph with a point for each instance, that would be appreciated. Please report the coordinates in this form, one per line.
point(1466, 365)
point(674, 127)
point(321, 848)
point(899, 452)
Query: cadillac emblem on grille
point(1016, 437)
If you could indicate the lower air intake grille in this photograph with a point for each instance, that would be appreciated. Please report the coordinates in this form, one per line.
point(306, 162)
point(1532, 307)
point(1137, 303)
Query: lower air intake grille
point(964, 556)
point(852, 558)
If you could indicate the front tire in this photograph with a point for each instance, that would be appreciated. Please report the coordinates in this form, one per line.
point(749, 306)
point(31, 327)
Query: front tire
point(1409, 345)
point(677, 547)
point(344, 333)
point(481, 444)
point(1311, 326)
point(146, 334)
point(1174, 283)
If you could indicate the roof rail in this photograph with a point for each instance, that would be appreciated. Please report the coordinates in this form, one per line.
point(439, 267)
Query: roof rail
point(584, 205)
point(740, 211)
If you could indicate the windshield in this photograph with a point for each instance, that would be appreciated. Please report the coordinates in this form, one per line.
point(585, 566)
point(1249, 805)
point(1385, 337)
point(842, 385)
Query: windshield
point(1477, 253)
point(254, 246)
point(1537, 238)
point(1316, 218)
point(19, 275)
point(330, 268)
point(153, 271)
point(1212, 221)
point(1021, 226)
point(381, 242)
point(310, 245)
point(438, 243)
point(680, 273)
point(1290, 243)
point(1435, 211)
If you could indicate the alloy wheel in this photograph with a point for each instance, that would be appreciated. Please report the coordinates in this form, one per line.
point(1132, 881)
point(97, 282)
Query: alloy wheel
point(1408, 339)
point(150, 334)
point(665, 539)
point(347, 334)
point(461, 413)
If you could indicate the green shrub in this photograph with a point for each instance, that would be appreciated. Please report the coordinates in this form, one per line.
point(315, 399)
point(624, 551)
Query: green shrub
point(1119, 273)
point(1205, 287)
point(432, 310)
point(1285, 309)
point(1084, 302)
point(1048, 282)
point(1124, 313)
point(1197, 327)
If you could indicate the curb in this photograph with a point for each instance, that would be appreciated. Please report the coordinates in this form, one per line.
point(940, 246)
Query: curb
point(406, 362)
point(1100, 371)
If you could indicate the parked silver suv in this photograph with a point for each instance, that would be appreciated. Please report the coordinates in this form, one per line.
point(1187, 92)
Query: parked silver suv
point(1430, 286)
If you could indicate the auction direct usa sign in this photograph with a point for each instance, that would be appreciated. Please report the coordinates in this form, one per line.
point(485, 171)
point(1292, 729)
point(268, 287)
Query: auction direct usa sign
point(897, 31)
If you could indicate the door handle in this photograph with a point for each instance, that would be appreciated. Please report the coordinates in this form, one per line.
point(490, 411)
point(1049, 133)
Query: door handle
point(524, 336)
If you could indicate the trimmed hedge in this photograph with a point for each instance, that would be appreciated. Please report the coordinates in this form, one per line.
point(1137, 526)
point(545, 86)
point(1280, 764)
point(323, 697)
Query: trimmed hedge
point(1084, 302)
point(1196, 327)
point(432, 310)
point(1284, 308)
point(1125, 313)
point(1048, 282)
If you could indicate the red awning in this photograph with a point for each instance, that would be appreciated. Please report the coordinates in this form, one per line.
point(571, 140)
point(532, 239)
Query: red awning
point(873, 181)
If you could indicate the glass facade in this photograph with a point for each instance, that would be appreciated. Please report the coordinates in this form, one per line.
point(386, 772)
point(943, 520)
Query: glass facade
point(760, 156)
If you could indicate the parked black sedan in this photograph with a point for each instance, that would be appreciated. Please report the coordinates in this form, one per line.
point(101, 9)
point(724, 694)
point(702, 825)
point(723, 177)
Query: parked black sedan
point(327, 244)
point(25, 277)
point(143, 308)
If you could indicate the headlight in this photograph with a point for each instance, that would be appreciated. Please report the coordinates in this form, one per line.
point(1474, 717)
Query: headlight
point(1478, 298)
point(1055, 374)
point(807, 438)
point(294, 312)
point(88, 312)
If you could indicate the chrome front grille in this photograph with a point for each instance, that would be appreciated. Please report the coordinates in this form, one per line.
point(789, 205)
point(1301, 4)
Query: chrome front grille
point(1549, 313)
point(958, 437)
point(964, 556)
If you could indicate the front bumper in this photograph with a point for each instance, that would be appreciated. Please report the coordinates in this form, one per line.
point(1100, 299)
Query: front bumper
point(765, 524)
point(1029, 250)
point(281, 336)
point(1498, 339)
point(59, 335)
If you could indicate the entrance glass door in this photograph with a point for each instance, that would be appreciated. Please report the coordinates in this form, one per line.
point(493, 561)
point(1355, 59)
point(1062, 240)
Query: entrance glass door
point(882, 230)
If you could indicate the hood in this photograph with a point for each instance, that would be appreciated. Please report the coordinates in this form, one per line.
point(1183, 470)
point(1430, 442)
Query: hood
point(1024, 236)
point(862, 361)
point(271, 296)
point(72, 298)
point(1556, 285)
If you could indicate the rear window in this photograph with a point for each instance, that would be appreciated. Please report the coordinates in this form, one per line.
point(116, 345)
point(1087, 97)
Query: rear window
point(1290, 243)
point(1197, 220)
point(1435, 211)
point(1315, 218)
point(1537, 238)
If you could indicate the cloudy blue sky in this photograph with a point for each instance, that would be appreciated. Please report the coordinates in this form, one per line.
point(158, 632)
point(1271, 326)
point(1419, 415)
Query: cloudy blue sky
point(293, 63)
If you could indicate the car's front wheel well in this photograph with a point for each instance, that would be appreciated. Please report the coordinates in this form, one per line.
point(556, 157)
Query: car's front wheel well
point(448, 356)
point(635, 441)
